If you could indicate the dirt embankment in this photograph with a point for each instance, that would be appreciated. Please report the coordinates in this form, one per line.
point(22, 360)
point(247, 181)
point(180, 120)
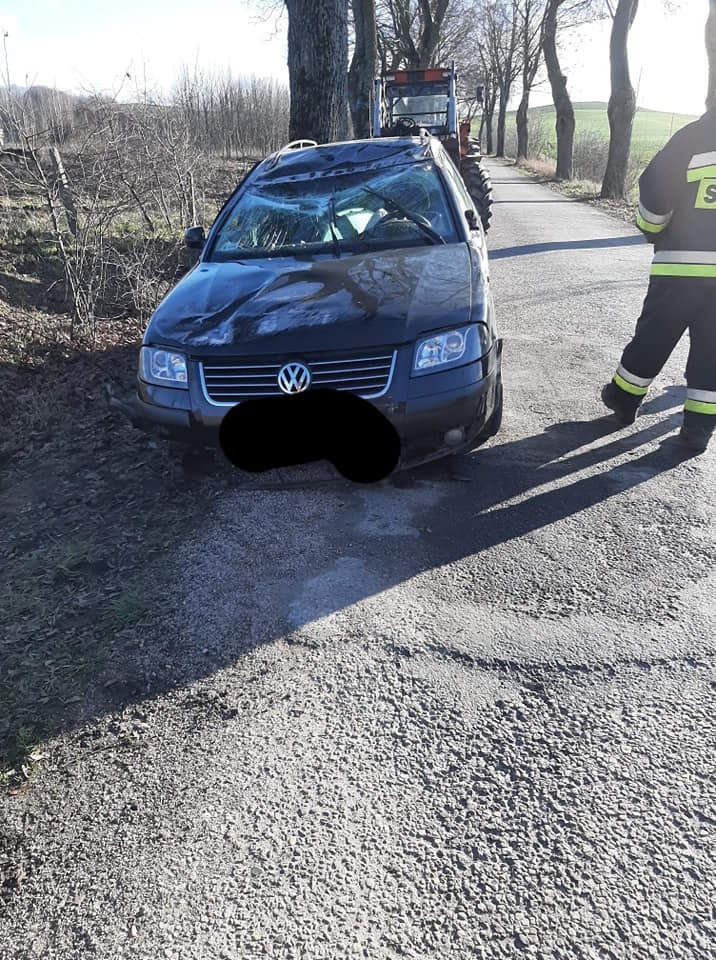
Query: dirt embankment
point(88, 505)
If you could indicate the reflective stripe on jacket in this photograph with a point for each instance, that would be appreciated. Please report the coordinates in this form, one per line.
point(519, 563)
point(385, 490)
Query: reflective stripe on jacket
point(677, 202)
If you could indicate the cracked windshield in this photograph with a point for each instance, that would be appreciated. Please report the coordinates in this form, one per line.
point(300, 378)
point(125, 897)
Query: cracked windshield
point(405, 206)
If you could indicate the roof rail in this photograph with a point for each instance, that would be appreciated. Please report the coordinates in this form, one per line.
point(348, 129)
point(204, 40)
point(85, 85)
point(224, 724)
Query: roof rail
point(293, 145)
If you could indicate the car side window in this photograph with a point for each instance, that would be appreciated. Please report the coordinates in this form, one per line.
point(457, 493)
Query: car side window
point(465, 200)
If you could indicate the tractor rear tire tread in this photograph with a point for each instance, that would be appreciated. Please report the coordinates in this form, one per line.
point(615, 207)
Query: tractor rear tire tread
point(479, 186)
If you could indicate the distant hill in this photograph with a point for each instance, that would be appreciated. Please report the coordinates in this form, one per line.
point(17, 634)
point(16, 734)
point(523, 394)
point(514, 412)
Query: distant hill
point(652, 128)
point(586, 105)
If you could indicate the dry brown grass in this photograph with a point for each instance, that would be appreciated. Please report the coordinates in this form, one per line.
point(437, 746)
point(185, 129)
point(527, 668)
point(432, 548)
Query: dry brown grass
point(585, 190)
point(90, 508)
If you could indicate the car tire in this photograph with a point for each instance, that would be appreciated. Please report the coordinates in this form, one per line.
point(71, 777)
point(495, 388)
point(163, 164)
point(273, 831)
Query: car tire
point(495, 422)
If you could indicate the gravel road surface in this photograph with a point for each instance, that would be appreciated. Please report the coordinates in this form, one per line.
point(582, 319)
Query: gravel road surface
point(466, 712)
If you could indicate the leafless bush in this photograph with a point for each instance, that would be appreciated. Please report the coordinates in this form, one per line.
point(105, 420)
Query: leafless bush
point(38, 112)
point(540, 143)
point(219, 113)
point(129, 169)
point(541, 137)
point(140, 271)
point(232, 116)
point(590, 155)
point(635, 167)
point(590, 159)
point(120, 181)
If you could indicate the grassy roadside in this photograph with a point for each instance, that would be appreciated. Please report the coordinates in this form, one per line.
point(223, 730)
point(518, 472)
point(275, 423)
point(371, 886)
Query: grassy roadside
point(584, 190)
point(90, 508)
point(89, 512)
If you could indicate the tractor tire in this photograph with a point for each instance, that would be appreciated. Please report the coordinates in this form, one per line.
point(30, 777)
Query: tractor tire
point(479, 186)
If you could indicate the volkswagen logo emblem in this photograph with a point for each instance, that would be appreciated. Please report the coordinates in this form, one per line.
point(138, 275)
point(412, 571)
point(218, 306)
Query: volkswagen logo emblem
point(294, 378)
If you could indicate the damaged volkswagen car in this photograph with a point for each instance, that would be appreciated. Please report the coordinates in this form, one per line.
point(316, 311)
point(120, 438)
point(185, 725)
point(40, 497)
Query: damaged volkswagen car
point(356, 268)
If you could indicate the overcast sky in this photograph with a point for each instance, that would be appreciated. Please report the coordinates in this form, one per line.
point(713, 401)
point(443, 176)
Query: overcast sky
point(80, 45)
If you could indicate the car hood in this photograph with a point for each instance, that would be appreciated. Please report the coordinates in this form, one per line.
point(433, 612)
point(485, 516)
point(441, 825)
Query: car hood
point(286, 304)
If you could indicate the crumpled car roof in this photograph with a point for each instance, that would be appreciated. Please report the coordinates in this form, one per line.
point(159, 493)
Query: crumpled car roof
point(347, 157)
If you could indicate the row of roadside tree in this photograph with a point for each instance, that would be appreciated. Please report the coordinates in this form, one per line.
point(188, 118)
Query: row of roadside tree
point(500, 44)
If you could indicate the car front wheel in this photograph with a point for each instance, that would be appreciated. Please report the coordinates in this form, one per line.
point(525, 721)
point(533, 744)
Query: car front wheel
point(495, 422)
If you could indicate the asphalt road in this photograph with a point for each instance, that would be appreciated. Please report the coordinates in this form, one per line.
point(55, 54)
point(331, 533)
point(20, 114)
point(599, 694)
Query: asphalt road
point(467, 712)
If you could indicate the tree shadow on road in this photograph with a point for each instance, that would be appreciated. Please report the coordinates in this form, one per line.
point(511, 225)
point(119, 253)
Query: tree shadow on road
point(502, 253)
point(498, 494)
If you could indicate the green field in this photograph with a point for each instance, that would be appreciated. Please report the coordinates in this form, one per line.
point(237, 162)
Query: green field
point(652, 128)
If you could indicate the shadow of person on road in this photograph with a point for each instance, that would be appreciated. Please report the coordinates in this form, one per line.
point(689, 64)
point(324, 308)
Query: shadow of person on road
point(672, 396)
point(505, 500)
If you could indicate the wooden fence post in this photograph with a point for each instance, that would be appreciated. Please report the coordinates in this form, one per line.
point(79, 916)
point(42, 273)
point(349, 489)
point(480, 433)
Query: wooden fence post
point(63, 186)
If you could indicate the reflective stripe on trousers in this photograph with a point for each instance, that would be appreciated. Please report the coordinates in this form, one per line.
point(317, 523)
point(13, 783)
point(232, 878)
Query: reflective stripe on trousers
point(630, 382)
point(701, 401)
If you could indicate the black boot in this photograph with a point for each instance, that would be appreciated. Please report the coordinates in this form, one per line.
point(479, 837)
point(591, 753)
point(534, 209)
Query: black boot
point(624, 405)
point(696, 438)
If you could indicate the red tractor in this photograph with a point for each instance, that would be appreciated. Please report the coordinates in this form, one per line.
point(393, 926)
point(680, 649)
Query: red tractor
point(407, 101)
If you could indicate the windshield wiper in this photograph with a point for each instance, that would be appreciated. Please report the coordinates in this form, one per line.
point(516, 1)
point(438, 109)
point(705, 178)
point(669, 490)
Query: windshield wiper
point(394, 207)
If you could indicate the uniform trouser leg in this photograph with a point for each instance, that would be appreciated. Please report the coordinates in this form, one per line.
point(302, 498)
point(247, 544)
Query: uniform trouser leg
point(672, 305)
point(664, 317)
point(700, 406)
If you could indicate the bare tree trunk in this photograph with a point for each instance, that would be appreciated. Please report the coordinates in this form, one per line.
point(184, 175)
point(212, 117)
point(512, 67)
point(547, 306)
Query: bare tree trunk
point(410, 32)
point(711, 53)
point(433, 16)
point(523, 126)
point(488, 119)
point(501, 120)
point(562, 102)
point(317, 68)
point(363, 66)
point(622, 103)
point(531, 34)
point(502, 36)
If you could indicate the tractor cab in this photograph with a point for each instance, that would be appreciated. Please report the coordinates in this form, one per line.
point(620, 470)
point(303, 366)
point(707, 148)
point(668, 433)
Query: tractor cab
point(408, 100)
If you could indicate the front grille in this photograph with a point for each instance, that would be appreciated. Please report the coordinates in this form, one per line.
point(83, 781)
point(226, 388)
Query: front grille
point(226, 382)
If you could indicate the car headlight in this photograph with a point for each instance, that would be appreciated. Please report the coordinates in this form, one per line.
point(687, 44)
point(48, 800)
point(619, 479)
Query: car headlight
point(163, 367)
point(453, 347)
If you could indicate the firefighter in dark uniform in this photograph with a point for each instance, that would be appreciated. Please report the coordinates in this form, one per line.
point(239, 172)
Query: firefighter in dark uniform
point(677, 213)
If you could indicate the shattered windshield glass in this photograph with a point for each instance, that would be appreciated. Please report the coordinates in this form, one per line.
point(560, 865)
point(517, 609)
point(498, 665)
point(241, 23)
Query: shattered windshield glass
point(402, 206)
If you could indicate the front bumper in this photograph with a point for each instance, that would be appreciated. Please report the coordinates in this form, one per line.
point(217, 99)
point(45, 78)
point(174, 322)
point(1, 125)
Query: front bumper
point(434, 415)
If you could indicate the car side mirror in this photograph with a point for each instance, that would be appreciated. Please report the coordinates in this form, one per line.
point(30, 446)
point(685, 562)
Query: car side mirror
point(194, 237)
point(472, 221)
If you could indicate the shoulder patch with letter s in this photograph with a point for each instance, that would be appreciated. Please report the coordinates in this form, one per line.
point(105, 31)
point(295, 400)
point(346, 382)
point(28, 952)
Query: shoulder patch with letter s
point(706, 197)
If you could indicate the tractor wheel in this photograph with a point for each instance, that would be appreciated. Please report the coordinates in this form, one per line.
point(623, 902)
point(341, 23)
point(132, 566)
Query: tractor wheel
point(477, 181)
